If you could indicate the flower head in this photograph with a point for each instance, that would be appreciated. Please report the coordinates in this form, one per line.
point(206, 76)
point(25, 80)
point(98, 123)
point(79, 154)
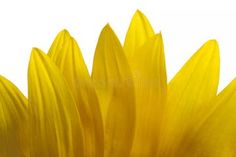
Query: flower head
point(125, 108)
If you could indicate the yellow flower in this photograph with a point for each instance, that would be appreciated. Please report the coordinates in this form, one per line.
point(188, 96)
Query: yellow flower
point(125, 108)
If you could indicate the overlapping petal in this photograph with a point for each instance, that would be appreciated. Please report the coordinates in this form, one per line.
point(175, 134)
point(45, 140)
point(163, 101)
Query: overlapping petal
point(66, 53)
point(189, 94)
point(113, 80)
point(139, 31)
point(55, 126)
point(148, 67)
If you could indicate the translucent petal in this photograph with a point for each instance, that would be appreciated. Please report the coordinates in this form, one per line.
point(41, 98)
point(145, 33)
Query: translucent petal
point(13, 120)
point(55, 127)
point(189, 92)
point(112, 77)
point(139, 31)
point(67, 56)
point(148, 66)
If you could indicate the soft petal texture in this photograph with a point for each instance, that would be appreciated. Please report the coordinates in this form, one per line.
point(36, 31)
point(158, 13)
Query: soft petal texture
point(55, 126)
point(112, 77)
point(148, 66)
point(217, 133)
point(139, 31)
point(66, 54)
point(13, 118)
point(189, 92)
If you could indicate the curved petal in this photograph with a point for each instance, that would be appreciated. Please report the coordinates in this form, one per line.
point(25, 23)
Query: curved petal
point(189, 92)
point(112, 77)
point(139, 31)
point(66, 54)
point(216, 136)
point(13, 120)
point(55, 127)
point(148, 66)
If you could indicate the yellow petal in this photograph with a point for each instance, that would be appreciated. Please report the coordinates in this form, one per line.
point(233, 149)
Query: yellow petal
point(148, 66)
point(55, 127)
point(194, 86)
point(112, 77)
point(13, 116)
point(216, 136)
point(139, 31)
point(67, 56)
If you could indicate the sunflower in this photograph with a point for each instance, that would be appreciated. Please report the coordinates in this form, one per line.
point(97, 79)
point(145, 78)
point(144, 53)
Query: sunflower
point(125, 108)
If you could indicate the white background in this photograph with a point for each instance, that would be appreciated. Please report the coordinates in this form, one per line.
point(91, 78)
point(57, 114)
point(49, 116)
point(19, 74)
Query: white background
point(185, 26)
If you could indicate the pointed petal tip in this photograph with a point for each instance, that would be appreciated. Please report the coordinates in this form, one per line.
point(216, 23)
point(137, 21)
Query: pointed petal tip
point(107, 25)
point(212, 42)
point(210, 47)
point(215, 46)
point(35, 52)
point(64, 32)
point(138, 13)
point(35, 49)
point(107, 28)
point(158, 35)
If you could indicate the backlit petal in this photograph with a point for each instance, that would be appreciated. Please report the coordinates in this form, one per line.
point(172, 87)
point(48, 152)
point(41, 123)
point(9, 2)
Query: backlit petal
point(139, 31)
point(189, 92)
point(13, 120)
point(66, 54)
point(148, 66)
point(112, 77)
point(55, 126)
